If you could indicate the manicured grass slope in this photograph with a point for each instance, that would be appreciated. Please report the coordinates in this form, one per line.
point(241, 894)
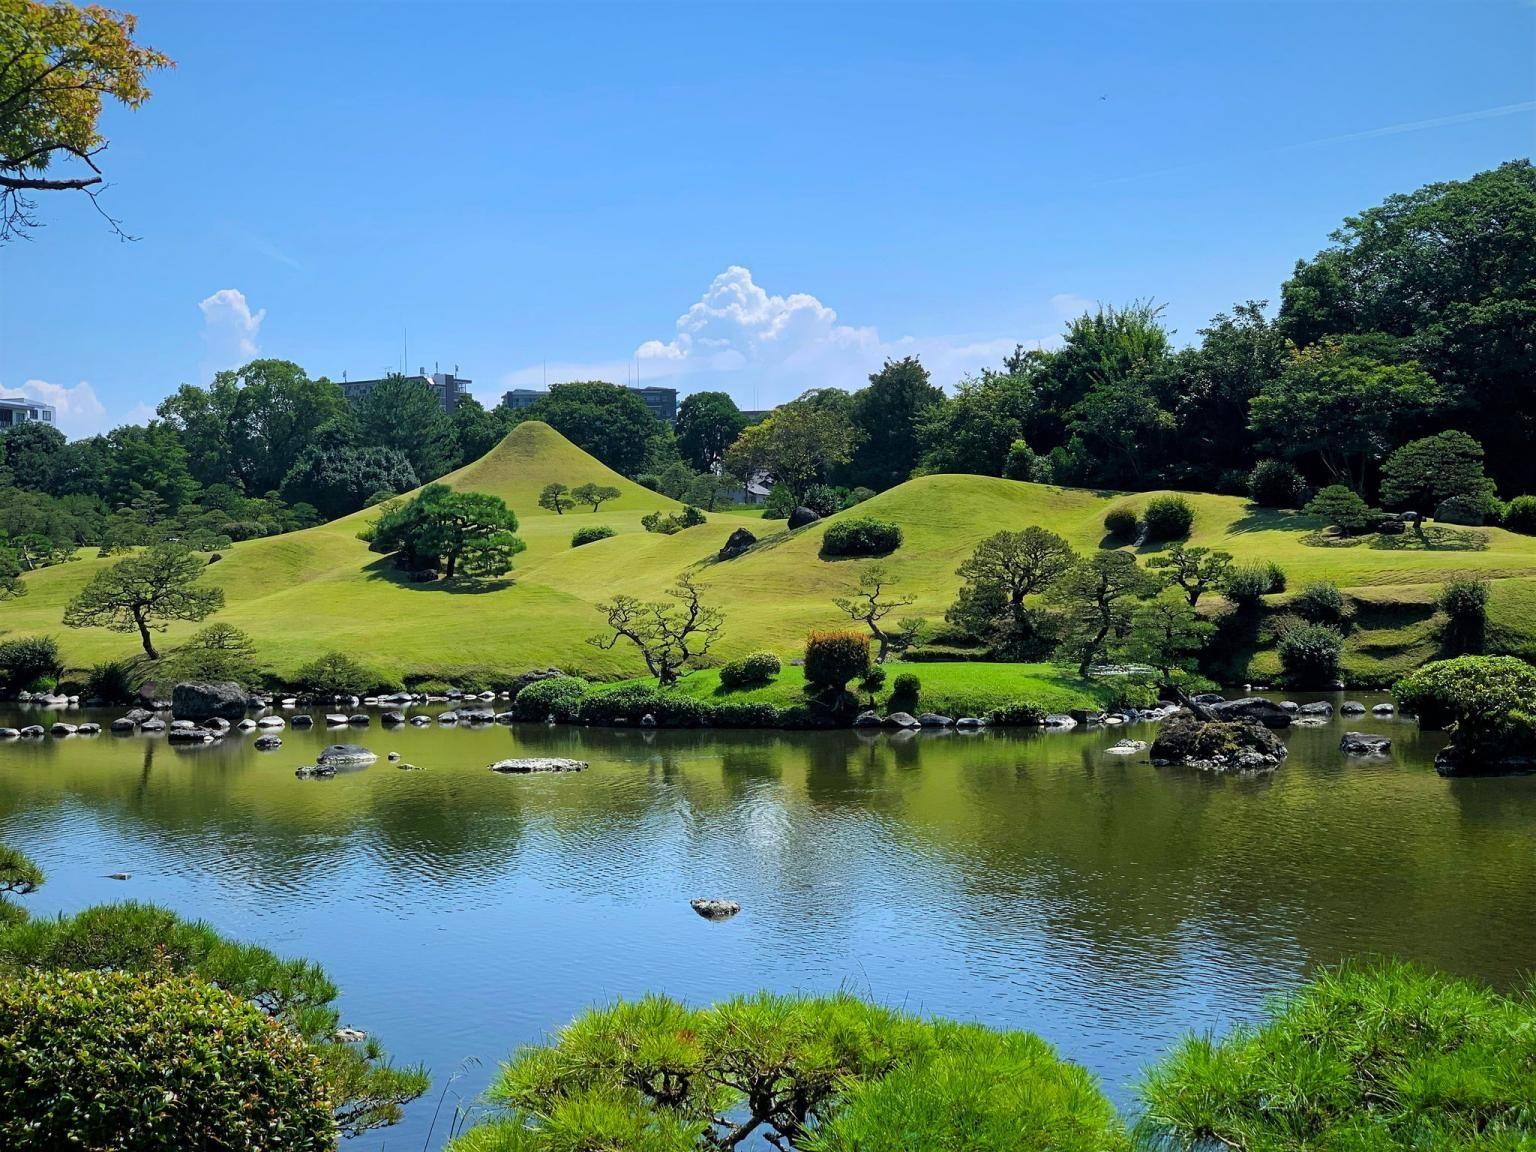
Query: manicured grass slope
point(307, 592)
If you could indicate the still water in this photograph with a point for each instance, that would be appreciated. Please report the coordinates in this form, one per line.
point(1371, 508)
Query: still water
point(1024, 880)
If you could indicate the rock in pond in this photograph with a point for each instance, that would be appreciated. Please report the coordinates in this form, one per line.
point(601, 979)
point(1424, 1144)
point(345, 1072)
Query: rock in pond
point(336, 719)
point(303, 721)
point(1218, 746)
point(138, 715)
point(476, 715)
point(192, 735)
point(268, 743)
point(1364, 744)
point(1453, 761)
point(970, 722)
point(9, 733)
point(934, 720)
point(1266, 712)
point(713, 909)
point(902, 720)
point(345, 755)
point(200, 701)
point(123, 724)
point(1057, 720)
point(359, 720)
point(62, 729)
point(153, 724)
point(271, 722)
point(87, 729)
point(1126, 748)
point(1383, 710)
point(420, 721)
point(1316, 708)
point(867, 719)
point(1351, 708)
point(31, 730)
point(392, 719)
point(538, 764)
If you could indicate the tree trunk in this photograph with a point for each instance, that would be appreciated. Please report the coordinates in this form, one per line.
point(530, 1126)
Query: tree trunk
point(144, 637)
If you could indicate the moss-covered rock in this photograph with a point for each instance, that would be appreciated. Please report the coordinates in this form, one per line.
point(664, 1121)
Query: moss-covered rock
point(1218, 745)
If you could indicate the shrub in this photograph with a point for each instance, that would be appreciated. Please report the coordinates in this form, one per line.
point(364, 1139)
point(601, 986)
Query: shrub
point(1472, 511)
point(557, 696)
point(834, 658)
point(1464, 600)
point(1343, 508)
point(628, 704)
point(737, 714)
point(1168, 517)
point(1276, 484)
point(670, 524)
point(750, 671)
point(217, 652)
point(335, 672)
point(1017, 714)
point(163, 1063)
point(1024, 464)
point(1309, 653)
point(1488, 698)
point(590, 534)
point(1321, 602)
point(1136, 691)
point(1277, 579)
point(114, 681)
point(857, 496)
point(1246, 584)
point(1121, 523)
point(823, 499)
point(861, 536)
point(780, 503)
point(28, 659)
point(1520, 515)
point(907, 688)
point(1379, 1056)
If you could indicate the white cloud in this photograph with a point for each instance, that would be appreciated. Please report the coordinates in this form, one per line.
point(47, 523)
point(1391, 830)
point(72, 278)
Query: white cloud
point(231, 331)
point(80, 413)
point(765, 349)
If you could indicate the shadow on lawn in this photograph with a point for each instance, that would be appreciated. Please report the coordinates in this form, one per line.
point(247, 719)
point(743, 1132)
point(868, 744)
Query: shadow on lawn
point(383, 569)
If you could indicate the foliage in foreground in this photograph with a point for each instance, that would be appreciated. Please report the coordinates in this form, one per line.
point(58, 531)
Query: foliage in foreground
point(365, 1091)
point(1486, 700)
point(1375, 1057)
point(163, 1062)
point(829, 1074)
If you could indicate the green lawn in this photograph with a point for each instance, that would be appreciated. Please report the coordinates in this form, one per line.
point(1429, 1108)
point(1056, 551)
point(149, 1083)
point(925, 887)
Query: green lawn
point(307, 592)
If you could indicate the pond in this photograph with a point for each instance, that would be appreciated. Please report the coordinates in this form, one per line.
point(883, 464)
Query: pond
point(1024, 880)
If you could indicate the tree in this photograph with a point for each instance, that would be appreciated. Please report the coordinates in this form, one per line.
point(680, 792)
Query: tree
point(1341, 506)
point(1193, 570)
point(1019, 564)
point(1449, 271)
point(1168, 634)
point(707, 424)
point(143, 593)
point(605, 420)
point(340, 480)
point(217, 652)
point(405, 414)
point(795, 445)
point(973, 431)
point(1344, 406)
point(886, 415)
point(595, 494)
point(60, 63)
point(30, 454)
point(556, 498)
point(467, 533)
point(149, 460)
point(670, 634)
point(1095, 596)
point(475, 430)
point(19, 876)
point(11, 583)
point(868, 602)
point(1423, 473)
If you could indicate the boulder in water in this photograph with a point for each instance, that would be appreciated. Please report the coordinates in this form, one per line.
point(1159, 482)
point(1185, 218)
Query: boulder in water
point(1218, 745)
point(715, 909)
point(201, 701)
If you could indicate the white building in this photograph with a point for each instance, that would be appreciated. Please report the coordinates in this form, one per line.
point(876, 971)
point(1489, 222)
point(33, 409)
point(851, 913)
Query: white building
point(19, 410)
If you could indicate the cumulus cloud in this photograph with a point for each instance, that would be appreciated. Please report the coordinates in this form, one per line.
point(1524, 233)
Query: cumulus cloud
point(80, 413)
point(765, 348)
point(231, 331)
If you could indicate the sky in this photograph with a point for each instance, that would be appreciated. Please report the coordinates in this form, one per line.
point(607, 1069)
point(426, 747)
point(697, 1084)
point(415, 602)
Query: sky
point(758, 198)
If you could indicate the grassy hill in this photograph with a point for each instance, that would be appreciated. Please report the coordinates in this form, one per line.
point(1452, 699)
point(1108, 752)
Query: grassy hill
point(307, 592)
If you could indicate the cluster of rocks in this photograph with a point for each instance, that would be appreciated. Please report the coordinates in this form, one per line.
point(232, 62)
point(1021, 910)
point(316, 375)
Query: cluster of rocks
point(336, 758)
point(527, 765)
point(1237, 745)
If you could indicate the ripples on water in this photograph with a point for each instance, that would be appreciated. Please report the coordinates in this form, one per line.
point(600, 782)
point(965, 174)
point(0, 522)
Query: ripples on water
point(1023, 880)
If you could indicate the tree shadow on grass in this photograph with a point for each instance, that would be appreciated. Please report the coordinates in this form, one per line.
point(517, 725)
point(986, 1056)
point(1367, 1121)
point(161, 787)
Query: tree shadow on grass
point(383, 569)
point(1257, 519)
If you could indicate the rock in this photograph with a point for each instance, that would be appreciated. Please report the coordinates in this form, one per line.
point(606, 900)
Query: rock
point(31, 730)
point(476, 715)
point(123, 724)
point(246, 725)
point(359, 720)
point(339, 755)
point(1352, 708)
point(392, 757)
point(268, 742)
point(183, 725)
point(1383, 710)
point(538, 764)
point(1057, 720)
point(1290, 706)
point(867, 719)
point(62, 729)
point(1364, 744)
point(350, 1036)
point(192, 735)
point(1218, 746)
point(153, 724)
point(217, 723)
point(647, 721)
point(902, 720)
point(315, 772)
point(1210, 698)
point(1453, 761)
point(1266, 712)
point(506, 717)
point(1311, 721)
point(1085, 716)
point(715, 909)
point(303, 721)
point(9, 733)
point(200, 701)
point(271, 722)
point(392, 719)
point(934, 720)
point(87, 729)
point(1316, 708)
point(407, 767)
point(739, 541)
point(335, 719)
point(1126, 748)
point(970, 722)
point(449, 717)
point(420, 721)
point(802, 516)
point(119, 876)
point(138, 715)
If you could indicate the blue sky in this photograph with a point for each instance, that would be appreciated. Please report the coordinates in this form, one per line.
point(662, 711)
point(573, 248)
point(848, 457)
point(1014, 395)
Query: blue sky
point(760, 198)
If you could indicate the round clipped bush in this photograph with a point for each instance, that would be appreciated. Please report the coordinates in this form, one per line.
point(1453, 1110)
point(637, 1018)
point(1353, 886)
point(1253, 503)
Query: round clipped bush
point(557, 696)
point(1168, 517)
point(1321, 602)
point(590, 535)
point(1120, 523)
point(335, 672)
point(163, 1063)
point(1017, 714)
point(1276, 484)
point(906, 687)
point(1469, 510)
point(861, 536)
point(1246, 584)
point(1520, 515)
point(834, 658)
point(750, 671)
point(1487, 698)
point(1309, 654)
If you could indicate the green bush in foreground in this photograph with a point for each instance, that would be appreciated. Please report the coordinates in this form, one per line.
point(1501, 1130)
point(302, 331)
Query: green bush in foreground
point(335, 672)
point(557, 696)
point(1121, 523)
point(1309, 653)
point(1489, 700)
point(135, 1063)
point(834, 658)
point(591, 534)
point(1376, 1057)
point(1017, 713)
point(751, 671)
point(27, 659)
point(805, 1073)
point(861, 536)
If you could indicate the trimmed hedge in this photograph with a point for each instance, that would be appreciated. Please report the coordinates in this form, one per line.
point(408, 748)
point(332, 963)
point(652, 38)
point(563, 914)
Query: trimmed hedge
point(1520, 515)
point(1168, 517)
point(834, 658)
point(861, 536)
point(557, 696)
point(591, 534)
point(1120, 523)
point(750, 671)
point(1017, 714)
